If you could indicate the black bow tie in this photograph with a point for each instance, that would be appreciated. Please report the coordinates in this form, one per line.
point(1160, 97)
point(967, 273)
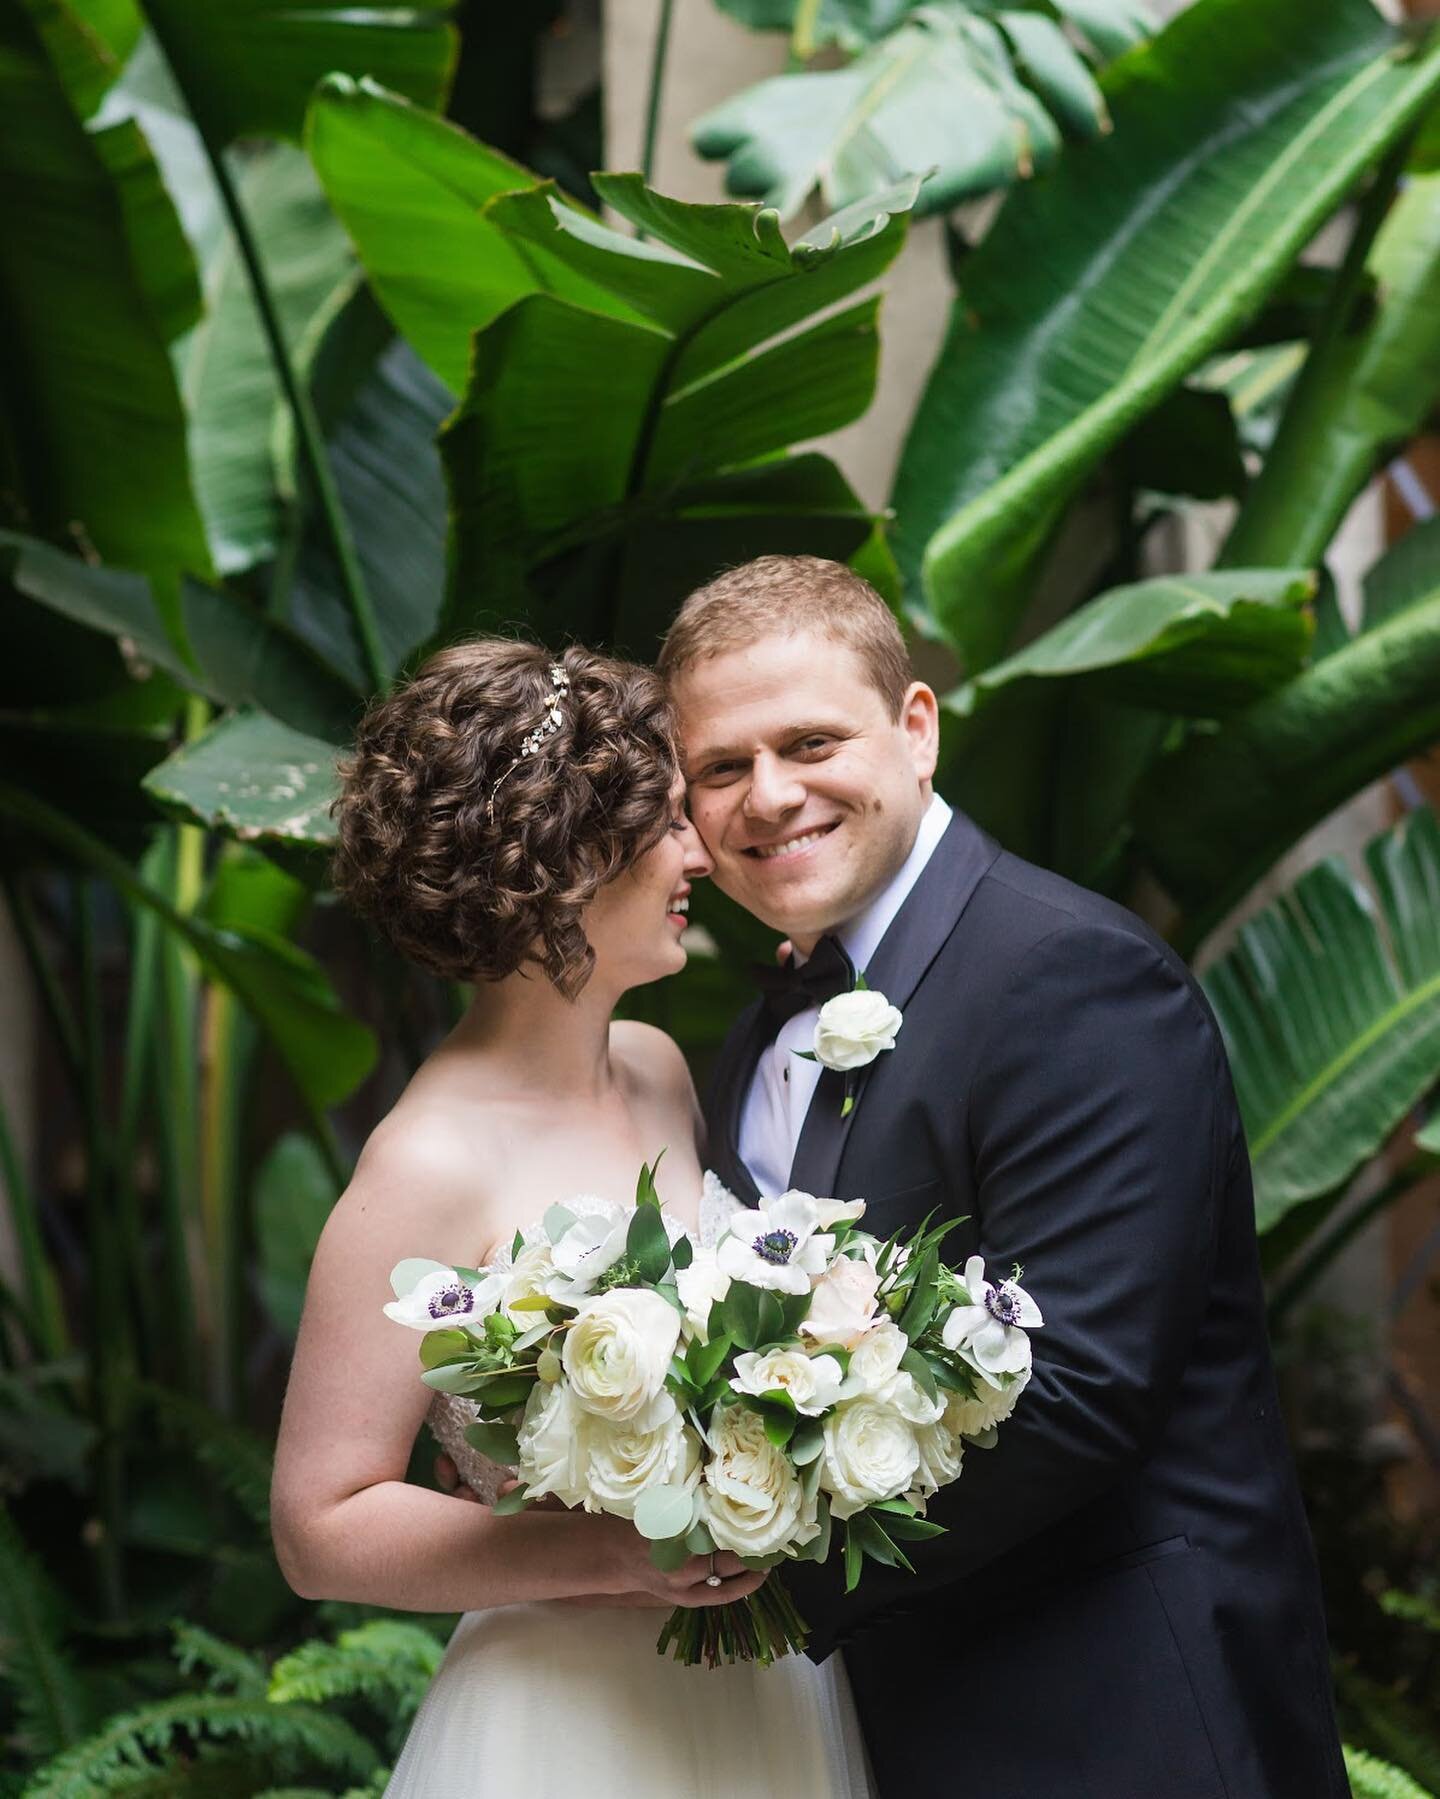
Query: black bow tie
point(795, 988)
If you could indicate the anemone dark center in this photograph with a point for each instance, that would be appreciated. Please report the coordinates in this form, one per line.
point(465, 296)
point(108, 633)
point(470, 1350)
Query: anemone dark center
point(1001, 1303)
point(776, 1246)
point(450, 1300)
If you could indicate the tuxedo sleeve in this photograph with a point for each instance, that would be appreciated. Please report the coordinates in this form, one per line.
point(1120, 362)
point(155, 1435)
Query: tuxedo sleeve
point(1096, 1129)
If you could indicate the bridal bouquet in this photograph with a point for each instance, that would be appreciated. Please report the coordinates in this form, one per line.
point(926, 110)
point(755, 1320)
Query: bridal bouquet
point(797, 1382)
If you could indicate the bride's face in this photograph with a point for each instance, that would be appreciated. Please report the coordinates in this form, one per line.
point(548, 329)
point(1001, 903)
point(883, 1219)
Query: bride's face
point(634, 924)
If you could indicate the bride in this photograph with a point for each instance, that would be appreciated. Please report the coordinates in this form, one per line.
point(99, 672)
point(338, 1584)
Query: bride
point(519, 825)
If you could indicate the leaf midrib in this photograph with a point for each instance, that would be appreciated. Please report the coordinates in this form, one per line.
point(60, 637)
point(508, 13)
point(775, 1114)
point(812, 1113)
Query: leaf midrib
point(1330, 1074)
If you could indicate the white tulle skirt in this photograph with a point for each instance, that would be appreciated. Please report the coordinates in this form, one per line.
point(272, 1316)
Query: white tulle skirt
point(549, 1701)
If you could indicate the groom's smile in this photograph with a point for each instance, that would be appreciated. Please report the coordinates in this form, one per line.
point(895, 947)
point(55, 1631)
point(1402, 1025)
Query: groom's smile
point(806, 790)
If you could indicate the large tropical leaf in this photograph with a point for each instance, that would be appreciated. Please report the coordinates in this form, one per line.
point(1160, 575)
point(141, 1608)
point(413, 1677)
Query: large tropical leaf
point(380, 407)
point(980, 101)
point(1237, 131)
point(1333, 1025)
point(239, 656)
point(294, 1191)
point(248, 67)
point(255, 778)
point(1047, 749)
point(327, 1052)
point(1362, 393)
point(1194, 644)
point(96, 281)
point(579, 431)
point(228, 373)
point(1106, 27)
point(1216, 814)
point(411, 190)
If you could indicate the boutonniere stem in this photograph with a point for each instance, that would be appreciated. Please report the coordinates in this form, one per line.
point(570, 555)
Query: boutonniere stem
point(851, 1031)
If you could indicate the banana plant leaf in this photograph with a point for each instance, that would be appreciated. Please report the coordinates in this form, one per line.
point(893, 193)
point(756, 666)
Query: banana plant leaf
point(1047, 749)
point(982, 102)
point(380, 408)
point(240, 656)
point(1237, 132)
point(254, 778)
point(227, 372)
point(96, 282)
point(293, 1194)
point(1199, 645)
point(1108, 27)
point(411, 189)
point(1332, 1023)
point(327, 1052)
point(1361, 394)
point(579, 431)
point(248, 67)
point(1213, 816)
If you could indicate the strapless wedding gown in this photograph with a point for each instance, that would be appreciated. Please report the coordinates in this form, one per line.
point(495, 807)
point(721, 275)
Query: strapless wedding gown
point(549, 1700)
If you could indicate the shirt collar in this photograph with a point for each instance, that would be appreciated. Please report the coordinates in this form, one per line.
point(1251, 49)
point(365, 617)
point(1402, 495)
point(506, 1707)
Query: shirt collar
point(861, 936)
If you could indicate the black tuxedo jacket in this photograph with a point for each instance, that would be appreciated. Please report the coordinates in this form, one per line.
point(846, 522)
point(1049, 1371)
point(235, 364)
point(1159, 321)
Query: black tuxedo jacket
point(1125, 1604)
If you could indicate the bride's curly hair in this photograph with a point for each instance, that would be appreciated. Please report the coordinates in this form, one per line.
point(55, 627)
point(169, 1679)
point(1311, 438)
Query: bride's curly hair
point(474, 898)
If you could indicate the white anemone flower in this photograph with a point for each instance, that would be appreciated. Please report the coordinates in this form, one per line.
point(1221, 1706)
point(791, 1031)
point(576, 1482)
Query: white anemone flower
point(431, 1296)
point(778, 1246)
point(591, 1247)
point(990, 1332)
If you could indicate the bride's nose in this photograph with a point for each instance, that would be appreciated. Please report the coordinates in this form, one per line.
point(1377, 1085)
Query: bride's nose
point(698, 860)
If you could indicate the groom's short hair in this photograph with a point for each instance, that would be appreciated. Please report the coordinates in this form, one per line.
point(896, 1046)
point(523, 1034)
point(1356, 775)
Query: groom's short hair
point(782, 595)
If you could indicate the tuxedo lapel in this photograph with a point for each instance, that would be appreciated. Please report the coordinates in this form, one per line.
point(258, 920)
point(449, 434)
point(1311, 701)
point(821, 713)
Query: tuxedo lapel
point(732, 1081)
point(916, 935)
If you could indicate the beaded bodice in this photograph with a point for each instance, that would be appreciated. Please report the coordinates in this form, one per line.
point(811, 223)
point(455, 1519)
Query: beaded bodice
point(450, 1413)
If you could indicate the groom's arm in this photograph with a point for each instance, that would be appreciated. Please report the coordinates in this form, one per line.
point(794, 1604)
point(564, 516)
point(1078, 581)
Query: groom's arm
point(1099, 1130)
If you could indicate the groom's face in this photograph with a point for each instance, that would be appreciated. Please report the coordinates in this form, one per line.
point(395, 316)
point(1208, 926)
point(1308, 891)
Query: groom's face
point(808, 794)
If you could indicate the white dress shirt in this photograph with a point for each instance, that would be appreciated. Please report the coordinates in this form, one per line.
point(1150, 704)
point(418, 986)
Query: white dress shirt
point(784, 1083)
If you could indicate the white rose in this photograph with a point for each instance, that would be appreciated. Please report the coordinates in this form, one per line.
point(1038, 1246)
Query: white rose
point(989, 1407)
point(853, 1028)
point(529, 1277)
point(699, 1286)
point(911, 1400)
point(875, 1359)
point(617, 1351)
point(654, 1449)
point(552, 1459)
point(812, 1382)
point(842, 1307)
point(430, 1296)
point(941, 1453)
point(869, 1453)
point(839, 1211)
point(753, 1502)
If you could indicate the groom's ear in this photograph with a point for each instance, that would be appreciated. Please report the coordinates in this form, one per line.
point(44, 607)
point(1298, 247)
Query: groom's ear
point(920, 721)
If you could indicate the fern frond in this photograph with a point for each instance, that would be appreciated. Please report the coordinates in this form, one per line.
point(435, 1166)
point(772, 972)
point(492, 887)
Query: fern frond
point(379, 1781)
point(1389, 1726)
point(227, 1667)
point(48, 1692)
point(1370, 1778)
point(288, 1736)
point(336, 1615)
point(299, 1793)
point(386, 1662)
point(206, 1776)
point(238, 1458)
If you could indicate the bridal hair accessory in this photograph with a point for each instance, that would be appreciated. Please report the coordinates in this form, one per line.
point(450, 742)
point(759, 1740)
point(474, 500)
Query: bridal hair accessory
point(532, 740)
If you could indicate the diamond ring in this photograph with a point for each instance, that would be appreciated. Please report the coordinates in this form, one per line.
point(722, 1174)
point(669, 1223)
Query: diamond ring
point(712, 1579)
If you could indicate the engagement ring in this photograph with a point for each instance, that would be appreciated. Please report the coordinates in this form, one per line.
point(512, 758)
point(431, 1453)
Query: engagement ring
point(712, 1579)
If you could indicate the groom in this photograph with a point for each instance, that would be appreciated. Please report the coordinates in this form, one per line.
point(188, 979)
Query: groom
point(1125, 1604)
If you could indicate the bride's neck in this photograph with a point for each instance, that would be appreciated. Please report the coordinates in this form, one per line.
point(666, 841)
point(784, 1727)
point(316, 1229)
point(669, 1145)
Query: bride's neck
point(545, 1042)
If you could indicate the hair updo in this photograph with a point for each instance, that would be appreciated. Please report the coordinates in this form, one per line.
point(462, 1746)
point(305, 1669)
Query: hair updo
point(418, 855)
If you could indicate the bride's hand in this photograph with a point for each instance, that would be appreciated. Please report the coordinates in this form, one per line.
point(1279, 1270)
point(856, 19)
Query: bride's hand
point(688, 1585)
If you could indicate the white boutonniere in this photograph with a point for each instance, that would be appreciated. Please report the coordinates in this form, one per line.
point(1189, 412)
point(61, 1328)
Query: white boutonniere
point(852, 1029)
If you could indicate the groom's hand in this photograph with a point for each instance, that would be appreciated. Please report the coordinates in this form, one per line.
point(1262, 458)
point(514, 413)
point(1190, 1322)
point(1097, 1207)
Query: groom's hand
point(447, 1479)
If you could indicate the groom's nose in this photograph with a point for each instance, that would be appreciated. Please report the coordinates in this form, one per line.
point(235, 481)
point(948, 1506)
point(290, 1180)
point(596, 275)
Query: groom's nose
point(774, 789)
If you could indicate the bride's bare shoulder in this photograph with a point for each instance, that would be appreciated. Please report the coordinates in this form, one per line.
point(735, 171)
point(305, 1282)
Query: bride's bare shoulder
point(650, 1056)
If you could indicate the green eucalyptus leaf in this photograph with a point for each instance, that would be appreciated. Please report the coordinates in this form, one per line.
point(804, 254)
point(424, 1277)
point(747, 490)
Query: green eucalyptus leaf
point(664, 1511)
point(495, 1440)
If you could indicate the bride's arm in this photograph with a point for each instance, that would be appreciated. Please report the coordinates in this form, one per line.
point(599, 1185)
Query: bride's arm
point(345, 1523)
